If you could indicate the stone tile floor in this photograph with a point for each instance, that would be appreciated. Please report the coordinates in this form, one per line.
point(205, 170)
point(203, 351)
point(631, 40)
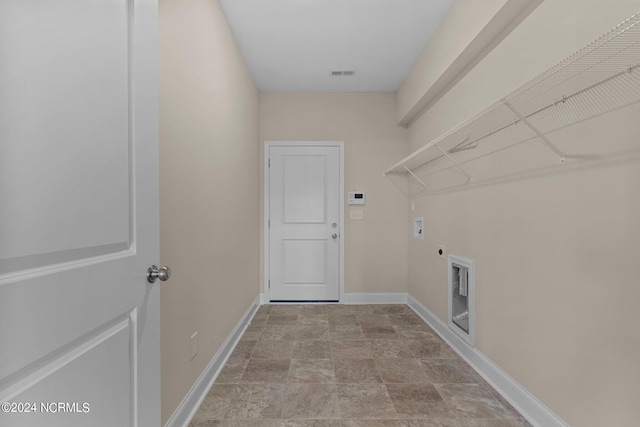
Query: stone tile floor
point(348, 366)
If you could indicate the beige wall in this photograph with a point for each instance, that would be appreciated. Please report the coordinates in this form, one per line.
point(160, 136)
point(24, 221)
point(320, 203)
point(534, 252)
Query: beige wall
point(209, 183)
point(556, 291)
point(376, 247)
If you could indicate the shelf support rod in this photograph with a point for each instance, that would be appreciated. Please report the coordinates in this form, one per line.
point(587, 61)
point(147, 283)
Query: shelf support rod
point(415, 176)
point(537, 132)
point(455, 163)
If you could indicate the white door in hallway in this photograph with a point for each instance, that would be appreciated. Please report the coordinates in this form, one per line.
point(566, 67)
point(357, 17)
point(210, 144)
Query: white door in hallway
point(79, 323)
point(305, 222)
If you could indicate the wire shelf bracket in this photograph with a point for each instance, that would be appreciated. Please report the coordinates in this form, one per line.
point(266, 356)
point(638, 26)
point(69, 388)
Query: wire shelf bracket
point(563, 157)
point(455, 163)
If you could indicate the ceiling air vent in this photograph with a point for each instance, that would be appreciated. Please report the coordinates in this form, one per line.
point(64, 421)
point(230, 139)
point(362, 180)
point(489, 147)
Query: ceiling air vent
point(342, 73)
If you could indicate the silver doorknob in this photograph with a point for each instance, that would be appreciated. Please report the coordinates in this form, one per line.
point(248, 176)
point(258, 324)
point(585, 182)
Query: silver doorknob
point(154, 273)
point(334, 236)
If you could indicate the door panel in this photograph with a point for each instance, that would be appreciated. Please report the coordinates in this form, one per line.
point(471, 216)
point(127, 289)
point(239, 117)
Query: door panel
point(81, 86)
point(304, 261)
point(79, 211)
point(304, 192)
point(72, 373)
point(304, 199)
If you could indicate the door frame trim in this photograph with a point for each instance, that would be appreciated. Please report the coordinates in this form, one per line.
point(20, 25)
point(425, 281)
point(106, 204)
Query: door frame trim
point(265, 207)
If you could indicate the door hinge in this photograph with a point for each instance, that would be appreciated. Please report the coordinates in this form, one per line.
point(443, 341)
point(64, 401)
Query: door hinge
point(268, 223)
point(269, 284)
point(269, 163)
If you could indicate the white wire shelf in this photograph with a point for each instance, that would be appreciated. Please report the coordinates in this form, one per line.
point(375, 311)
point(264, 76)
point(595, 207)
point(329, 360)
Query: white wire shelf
point(599, 78)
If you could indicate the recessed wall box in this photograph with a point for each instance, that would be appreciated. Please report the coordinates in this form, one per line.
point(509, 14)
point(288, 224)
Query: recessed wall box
point(461, 297)
point(356, 198)
point(418, 224)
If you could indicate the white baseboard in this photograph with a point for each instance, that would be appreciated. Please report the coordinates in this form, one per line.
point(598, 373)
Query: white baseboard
point(190, 404)
point(524, 402)
point(374, 298)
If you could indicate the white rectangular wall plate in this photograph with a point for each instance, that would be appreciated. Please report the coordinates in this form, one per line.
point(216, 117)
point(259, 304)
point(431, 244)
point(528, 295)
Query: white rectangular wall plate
point(418, 228)
point(356, 214)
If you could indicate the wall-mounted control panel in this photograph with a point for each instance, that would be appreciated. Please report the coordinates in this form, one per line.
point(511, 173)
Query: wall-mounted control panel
point(356, 198)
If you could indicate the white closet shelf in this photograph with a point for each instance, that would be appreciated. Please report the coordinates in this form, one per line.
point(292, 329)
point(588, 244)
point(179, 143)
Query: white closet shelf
point(601, 77)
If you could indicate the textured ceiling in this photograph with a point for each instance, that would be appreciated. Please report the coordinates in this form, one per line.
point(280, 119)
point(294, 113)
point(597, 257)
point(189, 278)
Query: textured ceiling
point(294, 45)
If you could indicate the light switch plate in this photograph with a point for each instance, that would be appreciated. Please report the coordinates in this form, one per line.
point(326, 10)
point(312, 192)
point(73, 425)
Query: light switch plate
point(356, 214)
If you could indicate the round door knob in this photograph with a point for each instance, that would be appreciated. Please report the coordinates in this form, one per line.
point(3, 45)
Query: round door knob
point(334, 236)
point(154, 273)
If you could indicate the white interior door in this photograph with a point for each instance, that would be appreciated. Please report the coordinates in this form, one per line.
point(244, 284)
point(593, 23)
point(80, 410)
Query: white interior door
point(79, 324)
point(304, 216)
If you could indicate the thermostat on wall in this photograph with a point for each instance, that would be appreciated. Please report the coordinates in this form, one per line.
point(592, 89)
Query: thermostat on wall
point(356, 198)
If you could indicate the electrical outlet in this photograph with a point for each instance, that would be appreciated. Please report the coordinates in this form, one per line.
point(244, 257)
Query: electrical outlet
point(442, 252)
point(194, 344)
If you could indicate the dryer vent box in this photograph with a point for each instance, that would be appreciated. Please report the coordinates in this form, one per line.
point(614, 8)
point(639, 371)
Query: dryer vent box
point(461, 297)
